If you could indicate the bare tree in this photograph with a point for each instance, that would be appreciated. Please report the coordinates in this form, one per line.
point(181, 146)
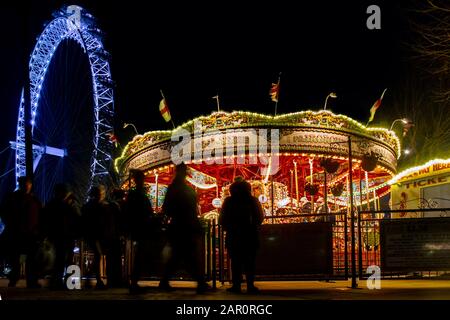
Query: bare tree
point(431, 25)
point(429, 138)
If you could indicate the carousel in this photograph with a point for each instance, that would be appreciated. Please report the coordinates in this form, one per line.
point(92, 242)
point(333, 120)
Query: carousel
point(297, 163)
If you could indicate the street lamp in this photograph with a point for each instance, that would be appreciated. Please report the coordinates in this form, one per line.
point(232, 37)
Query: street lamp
point(332, 95)
point(125, 125)
point(407, 151)
point(404, 121)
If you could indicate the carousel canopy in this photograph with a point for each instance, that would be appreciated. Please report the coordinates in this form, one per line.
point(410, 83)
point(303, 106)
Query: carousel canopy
point(288, 159)
point(305, 133)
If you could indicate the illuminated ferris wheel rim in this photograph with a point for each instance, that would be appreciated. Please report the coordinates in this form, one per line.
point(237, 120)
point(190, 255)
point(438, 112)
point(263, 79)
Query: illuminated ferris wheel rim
point(88, 36)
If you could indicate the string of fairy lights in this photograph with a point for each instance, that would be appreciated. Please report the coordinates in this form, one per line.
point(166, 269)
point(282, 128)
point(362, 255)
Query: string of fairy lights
point(300, 119)
point(386, 136)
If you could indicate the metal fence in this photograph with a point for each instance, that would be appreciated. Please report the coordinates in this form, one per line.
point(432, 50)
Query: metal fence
point(368, 248)
point(339, 246)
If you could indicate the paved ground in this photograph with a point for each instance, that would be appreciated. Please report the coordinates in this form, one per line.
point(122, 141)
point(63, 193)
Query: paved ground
point(280, 290)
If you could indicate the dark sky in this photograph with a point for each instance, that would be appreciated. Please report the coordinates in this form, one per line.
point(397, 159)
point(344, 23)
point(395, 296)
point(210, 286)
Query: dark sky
point(193, 49)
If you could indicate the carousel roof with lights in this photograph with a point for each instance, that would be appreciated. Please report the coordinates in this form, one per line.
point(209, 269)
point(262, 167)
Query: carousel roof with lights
point(321, 129)
point(306, 141)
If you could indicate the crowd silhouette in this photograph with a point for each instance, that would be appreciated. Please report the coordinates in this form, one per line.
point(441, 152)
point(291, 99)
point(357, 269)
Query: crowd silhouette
point(48, 234)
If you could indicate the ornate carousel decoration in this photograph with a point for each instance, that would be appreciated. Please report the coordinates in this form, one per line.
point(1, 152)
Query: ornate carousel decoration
point(311, 154)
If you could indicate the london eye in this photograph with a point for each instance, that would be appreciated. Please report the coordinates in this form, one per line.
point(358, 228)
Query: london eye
point(72, 106)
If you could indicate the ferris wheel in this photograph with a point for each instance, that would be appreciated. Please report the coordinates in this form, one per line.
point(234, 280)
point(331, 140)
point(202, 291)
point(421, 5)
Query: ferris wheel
point(72, 106)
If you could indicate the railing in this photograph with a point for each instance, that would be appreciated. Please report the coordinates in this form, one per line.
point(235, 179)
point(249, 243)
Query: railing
point(339, 247)
point(369, 246)
point(217, 262)
point(368, 249)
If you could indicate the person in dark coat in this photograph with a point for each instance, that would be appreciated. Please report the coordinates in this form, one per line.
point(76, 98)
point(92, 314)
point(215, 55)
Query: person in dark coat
point(61, 226)
point(185, 232)
point(241, 217)
point(117, 206)
point(140, 223)
point(99, 230)
point(21, 214)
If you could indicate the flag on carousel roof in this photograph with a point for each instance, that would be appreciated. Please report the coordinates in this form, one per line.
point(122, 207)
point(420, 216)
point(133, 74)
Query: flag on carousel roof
point(112, 138)
point(274, 91)
point(164, 109)
point(375, 107)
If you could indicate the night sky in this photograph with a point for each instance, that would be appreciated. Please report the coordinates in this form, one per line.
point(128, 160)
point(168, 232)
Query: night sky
point(193, 50)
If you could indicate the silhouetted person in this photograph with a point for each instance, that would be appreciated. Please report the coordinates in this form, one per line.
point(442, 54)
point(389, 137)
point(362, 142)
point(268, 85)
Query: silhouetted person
point(184, 230)
point(61, 226)
point(117, 202)
point(321, 209)
point(99, 229)
point(305, 208)
point(241, 218)
point(21, 212)
point(117, 207)
point(140, 215)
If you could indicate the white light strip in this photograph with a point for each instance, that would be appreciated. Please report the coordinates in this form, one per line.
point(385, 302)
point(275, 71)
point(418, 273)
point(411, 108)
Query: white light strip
point(201, 185)
point(418, 168)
